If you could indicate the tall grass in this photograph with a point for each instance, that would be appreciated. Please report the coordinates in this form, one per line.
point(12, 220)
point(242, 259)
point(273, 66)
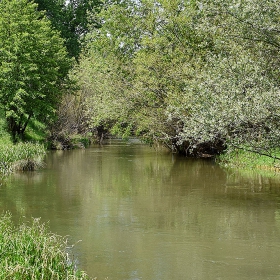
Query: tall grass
point(249, 160)
point(29, 251)
point(22, 156)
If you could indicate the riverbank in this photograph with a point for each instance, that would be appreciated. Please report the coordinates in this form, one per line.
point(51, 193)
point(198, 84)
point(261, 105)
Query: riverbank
point(21, 157)
point(247, 160)
point(29, 251)
point(29, 154)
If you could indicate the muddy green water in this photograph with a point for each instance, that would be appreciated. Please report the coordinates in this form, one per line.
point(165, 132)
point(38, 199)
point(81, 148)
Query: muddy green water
point(142, 214)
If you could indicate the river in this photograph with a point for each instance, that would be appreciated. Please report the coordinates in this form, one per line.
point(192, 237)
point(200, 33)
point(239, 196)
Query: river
point(137, 213)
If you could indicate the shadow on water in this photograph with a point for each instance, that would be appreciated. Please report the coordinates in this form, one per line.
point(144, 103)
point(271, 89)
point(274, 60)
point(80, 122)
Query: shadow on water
point(146, 214)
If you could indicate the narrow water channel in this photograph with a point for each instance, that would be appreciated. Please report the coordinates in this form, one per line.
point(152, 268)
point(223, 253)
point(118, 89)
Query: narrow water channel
point(135, 213)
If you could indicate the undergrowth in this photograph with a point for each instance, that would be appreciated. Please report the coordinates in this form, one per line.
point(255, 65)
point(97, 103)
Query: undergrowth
point(35, 131)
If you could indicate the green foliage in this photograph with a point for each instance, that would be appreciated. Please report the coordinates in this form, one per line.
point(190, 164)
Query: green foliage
point(22, 156)
point(198, 77)
point(34, 65)
point(247, 160)
point(29, 251)
point(235, 95)
point(4, 135)
point(36, 131)
point(71, 19)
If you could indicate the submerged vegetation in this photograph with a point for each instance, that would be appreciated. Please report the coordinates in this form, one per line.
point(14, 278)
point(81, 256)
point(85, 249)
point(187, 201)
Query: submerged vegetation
point(29, 251)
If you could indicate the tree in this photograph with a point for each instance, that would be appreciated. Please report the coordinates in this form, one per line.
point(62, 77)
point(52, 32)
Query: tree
point(104, 73)
point(156, 50)
point(232, 101)
point(34, 65)
point(71, 19)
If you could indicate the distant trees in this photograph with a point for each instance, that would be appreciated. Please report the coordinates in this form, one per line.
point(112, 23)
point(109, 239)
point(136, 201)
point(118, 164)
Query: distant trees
point(34, 65)
point(197, 76)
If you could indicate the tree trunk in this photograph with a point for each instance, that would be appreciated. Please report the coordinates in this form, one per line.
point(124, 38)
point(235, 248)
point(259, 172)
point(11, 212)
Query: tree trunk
point(17, 129)
point(12, 127)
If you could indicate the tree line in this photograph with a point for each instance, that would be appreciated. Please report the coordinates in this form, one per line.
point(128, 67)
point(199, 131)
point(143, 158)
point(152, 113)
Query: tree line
point(199, 77)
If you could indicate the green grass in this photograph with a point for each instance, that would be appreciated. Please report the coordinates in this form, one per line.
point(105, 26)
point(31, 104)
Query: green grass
point(30, 251)
point(248, 160)
point(5, 137)
point(22, 156)
point(35, 131)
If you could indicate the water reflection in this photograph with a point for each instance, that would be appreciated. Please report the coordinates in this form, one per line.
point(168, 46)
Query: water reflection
point(143, 214)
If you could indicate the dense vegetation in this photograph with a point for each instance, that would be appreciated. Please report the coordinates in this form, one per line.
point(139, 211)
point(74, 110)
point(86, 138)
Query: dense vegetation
point(71, 20)
point(29, 251)
point(34, 65)
point(38, 43)
point(200, 77)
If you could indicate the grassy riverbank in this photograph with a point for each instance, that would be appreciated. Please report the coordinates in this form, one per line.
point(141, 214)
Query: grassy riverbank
point(22, 156)
point(248, 160)
point(29, 251)
point(28, 155)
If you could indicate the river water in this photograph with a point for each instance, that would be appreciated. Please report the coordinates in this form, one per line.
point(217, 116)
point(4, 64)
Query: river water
point(137, 213)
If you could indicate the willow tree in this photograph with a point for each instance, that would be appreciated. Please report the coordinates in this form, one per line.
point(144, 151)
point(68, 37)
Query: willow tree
point(235, 96)
point(34, 65)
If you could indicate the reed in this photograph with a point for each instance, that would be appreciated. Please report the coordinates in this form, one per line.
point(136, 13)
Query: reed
point(29, 251)
point(22, 156)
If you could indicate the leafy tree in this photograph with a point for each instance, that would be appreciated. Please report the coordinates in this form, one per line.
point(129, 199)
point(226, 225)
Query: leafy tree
point(105, 72)
point(154, 44)
point(71, 19)
point(234, 95)
point(54, 10)
point(34, 65)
